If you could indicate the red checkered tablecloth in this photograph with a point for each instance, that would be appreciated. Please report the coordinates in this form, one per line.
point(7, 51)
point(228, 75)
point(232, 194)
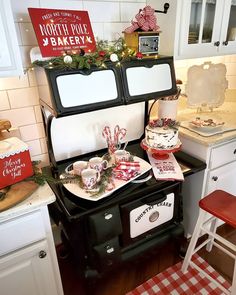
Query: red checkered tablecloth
point(172, 281)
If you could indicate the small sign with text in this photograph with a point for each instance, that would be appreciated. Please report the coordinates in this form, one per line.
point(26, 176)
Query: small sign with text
point(62, 31)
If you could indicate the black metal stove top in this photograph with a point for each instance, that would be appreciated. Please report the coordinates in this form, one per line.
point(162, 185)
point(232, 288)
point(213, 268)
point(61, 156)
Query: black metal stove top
point(73, 205)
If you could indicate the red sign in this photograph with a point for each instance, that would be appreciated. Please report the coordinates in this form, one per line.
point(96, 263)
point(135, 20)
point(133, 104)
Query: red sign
point(15, 163)
point(62, 31)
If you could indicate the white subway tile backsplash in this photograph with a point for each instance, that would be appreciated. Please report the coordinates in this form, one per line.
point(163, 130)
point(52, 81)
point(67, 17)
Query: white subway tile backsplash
point(25, 55)
point(98, 31)
point(27, 34)
point(38, 114)
point(232, 82)
point(230, 69)
point(62, 4)
point(20, 9)
point(4, 102)
point(129, 10)
point(23, 97)
point(43, 158)
point(14, 82)
point(181, 74)
point(34, 147)
point(32, 77)
point(43, 144)
point(113, 31)
point(32, 132)
point(19, 117)
point(230, 58)
point(102, 11)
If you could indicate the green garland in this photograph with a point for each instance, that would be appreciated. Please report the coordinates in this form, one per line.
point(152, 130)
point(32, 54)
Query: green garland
point(104, 49)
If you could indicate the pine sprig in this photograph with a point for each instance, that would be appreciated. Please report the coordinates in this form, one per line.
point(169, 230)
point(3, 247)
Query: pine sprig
point(98, 58)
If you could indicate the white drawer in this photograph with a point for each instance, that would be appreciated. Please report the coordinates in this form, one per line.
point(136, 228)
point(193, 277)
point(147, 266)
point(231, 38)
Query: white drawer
point(223, 154)
point(21, 231)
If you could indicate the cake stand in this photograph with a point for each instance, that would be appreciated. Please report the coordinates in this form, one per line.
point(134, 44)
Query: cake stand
point(160, 154)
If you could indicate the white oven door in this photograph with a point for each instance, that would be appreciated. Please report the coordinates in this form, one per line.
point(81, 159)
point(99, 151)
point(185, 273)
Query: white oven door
point(147, 217)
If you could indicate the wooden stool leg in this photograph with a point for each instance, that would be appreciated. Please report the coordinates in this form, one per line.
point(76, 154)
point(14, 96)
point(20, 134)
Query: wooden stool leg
point(213, 228)
point(193, 241)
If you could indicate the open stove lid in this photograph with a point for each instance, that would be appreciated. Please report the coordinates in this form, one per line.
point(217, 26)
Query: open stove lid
point(206, 85)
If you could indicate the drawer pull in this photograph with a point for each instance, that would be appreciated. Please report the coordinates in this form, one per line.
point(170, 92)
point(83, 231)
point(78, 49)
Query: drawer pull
point(108, 216)
point(215, 178)
point(42, 254)
point(110, 249)
point(234, 151)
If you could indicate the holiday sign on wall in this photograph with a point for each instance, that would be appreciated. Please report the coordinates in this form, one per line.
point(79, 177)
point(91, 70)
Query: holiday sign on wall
point(62, 31)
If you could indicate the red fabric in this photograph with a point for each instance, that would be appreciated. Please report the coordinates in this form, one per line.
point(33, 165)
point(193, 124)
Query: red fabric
point(173, 281)
point(145, 20)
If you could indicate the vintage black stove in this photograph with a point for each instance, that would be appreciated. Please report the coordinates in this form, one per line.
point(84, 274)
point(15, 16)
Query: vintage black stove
point(138, 217)
point(98, 233)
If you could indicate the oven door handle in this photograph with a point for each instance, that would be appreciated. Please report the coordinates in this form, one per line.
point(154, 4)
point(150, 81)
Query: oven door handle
point(154, 200)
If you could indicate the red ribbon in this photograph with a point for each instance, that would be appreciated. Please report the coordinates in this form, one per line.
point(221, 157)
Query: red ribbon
point(145, 20)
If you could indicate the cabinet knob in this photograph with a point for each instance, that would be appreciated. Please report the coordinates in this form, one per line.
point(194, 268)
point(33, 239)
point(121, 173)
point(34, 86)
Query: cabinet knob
point(215, 178)
point(217, 43)
point(225, 43)
point(42, 254)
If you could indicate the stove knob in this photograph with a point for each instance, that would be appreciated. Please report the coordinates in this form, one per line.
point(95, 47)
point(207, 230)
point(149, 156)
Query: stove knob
point(108, 216)
point(109, 249)
point(42, 254)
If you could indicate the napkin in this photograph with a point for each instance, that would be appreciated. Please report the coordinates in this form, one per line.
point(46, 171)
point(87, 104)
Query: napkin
point(167, 169)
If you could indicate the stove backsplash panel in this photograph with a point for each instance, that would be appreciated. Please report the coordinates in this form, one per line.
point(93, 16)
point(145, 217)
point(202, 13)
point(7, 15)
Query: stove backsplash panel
point(80, 134)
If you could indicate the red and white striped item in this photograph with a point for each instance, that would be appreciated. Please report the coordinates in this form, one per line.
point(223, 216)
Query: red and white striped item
point(124, 165)
point(126, 170)
point(173, 281)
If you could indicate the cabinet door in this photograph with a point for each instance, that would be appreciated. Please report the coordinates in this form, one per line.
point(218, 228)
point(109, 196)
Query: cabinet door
point(200, 29)
point(222, 178)
point(28, 272)
point(10, 59)
point(228, 34)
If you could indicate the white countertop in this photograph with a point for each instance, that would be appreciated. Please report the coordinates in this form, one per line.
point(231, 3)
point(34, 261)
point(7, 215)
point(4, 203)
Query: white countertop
point(41, 197)
point(225, 113)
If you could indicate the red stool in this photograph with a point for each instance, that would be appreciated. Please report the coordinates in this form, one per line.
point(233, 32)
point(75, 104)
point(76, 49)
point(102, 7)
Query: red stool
point(217, 205)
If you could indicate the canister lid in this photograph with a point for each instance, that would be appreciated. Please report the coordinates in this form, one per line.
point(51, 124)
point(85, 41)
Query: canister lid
point(12, 146)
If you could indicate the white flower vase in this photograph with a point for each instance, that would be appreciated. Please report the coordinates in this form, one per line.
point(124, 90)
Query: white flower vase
point(167, 109)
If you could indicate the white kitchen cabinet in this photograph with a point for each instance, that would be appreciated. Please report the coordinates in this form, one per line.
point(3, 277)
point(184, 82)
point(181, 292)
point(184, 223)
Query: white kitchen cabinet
point(219, 174)
point(222, 178)
point(10, 58)
point(197, 28)
point(28, 263)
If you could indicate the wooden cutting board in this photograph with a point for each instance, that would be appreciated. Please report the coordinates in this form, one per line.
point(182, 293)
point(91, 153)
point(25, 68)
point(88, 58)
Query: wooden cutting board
point(17, 193)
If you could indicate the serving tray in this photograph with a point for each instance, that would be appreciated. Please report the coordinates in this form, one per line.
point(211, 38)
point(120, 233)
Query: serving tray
point(76, 190)
point(207, 132)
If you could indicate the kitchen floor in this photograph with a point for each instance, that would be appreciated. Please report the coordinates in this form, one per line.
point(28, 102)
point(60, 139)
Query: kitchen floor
point(122, 280)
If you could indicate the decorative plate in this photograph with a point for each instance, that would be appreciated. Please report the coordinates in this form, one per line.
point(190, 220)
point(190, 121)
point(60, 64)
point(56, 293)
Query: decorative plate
point(206, 125)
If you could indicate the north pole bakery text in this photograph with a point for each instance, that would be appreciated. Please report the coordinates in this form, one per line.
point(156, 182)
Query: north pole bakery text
point(13, 168)
point(59, 34)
